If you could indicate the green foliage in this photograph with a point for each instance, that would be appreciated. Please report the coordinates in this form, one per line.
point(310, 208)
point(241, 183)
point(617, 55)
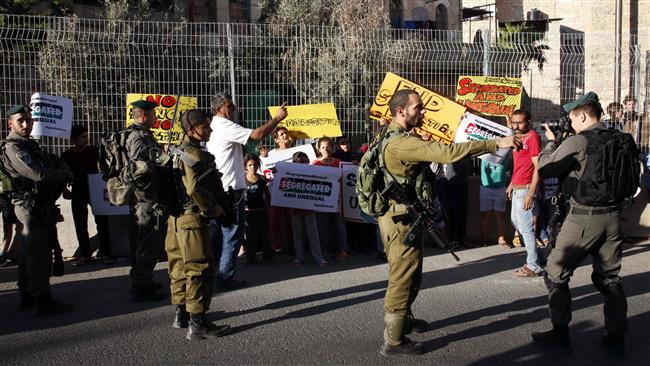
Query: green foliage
point(332, 49)
point(528, 46)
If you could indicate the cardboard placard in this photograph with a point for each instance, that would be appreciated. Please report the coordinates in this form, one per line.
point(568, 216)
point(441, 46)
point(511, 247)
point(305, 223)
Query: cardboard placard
point(349, 201)
point(441, 117)
point(311, 120)
point(164, 114)
point(309, 187)
point(276, 156)
point(488, 95)
point(52, 115)
point(475, 128)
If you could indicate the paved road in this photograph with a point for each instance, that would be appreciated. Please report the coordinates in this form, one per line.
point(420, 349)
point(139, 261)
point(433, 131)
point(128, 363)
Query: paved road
point(478, 312)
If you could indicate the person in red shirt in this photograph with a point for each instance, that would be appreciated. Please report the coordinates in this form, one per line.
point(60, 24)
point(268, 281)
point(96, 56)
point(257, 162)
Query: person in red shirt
point(523, 188)
point(336, 240)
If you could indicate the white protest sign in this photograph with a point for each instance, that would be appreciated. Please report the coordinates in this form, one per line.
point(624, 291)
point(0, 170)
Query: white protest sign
point(475, 128)
point(276, 156)
point(52, 115)
point(349, 200)
point(309, 187)
point(99, 198)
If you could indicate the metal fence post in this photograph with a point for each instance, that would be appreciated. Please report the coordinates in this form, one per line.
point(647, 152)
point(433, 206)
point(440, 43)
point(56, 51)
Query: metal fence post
point(486, 53)
point(231, 62)
point(636, 67)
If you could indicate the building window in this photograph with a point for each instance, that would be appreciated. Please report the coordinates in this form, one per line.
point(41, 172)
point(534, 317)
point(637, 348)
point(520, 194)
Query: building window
point(396, 13)
point(442, 17)
point(239, 11)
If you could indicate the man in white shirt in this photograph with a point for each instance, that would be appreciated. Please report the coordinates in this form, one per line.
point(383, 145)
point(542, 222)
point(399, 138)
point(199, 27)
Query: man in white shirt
point(226, 144)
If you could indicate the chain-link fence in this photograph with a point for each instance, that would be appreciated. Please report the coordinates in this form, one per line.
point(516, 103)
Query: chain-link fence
point(97, 62)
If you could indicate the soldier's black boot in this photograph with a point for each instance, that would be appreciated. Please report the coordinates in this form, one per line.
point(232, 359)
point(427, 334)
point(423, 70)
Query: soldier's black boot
point(147, 293)
point(154, 286)
point(555, 339)
point(26, 302)
point(394, 341)
point(614, 345)
point(415, 325)
point(182, 318)
point(48, 306)
point(407, 347)
point(201, 328)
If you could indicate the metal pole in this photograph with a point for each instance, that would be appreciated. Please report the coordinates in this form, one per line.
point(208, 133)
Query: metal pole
point(617, 54)
point(231, 62)
point(486, 54)
point(637, 73)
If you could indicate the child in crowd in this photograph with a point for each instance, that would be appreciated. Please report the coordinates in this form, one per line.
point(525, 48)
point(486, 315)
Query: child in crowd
point(264, 151)
point(280, 236)
point(303, 223)
point(331, 220)
point(344, 151)
point(256, 200)
point(83, 159)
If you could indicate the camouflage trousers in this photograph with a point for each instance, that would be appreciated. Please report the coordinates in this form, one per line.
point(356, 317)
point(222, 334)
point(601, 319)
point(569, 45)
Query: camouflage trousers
point(191, 262)
point(404, 276)
point(35, 263)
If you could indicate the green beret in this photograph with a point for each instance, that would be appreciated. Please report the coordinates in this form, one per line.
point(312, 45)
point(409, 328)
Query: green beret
point(590, 97)
point(144, 105)
point(18, 108)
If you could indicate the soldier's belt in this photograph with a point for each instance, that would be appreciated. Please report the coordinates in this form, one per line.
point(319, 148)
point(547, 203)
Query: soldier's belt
point(593, 211)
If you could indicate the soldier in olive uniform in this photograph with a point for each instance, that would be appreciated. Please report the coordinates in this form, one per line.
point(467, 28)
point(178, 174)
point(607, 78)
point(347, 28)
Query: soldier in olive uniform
point(192, 265)
point(148, 216)
point(406, 157)
point(34, 180)
point(591, 227)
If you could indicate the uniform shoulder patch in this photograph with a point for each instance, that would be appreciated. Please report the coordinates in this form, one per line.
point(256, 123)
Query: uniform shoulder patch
point(24, 157)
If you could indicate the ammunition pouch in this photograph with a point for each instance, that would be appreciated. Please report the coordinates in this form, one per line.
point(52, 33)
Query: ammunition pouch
point(119, 192)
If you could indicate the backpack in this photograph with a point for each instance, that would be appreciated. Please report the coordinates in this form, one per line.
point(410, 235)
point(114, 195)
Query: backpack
point(113, 159)
point(6, 182)
point(612, 170)
point(371, 179)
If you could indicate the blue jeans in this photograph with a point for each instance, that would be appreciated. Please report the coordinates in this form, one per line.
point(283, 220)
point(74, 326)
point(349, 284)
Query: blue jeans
point(523, 222)
point(233, 237)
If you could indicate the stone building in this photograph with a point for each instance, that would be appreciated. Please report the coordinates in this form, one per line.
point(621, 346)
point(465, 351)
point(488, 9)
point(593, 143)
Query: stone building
point(582, 47)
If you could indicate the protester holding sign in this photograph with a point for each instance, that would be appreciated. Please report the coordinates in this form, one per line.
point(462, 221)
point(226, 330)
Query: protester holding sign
point(336, 240)
point(83, 159)
point(282, 139)
point(303, 223)
point(279, 216)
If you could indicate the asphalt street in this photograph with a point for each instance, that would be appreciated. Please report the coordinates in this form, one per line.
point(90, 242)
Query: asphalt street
point(478, 312)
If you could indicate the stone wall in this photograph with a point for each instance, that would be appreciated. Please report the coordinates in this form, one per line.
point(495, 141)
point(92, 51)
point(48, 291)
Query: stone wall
point(566, 74)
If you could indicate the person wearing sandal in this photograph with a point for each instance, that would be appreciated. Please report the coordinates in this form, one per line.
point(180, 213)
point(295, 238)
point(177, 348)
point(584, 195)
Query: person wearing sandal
point(522, 188)
point(493, 199)
point(591, 227)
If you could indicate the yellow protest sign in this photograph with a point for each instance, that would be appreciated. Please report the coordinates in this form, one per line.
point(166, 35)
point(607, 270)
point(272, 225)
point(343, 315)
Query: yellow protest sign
point(311, 120)
point(164, 114)
point(441, 117)
point(492, 96)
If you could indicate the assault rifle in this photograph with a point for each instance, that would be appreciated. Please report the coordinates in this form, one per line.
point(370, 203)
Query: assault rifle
point(422, 216)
